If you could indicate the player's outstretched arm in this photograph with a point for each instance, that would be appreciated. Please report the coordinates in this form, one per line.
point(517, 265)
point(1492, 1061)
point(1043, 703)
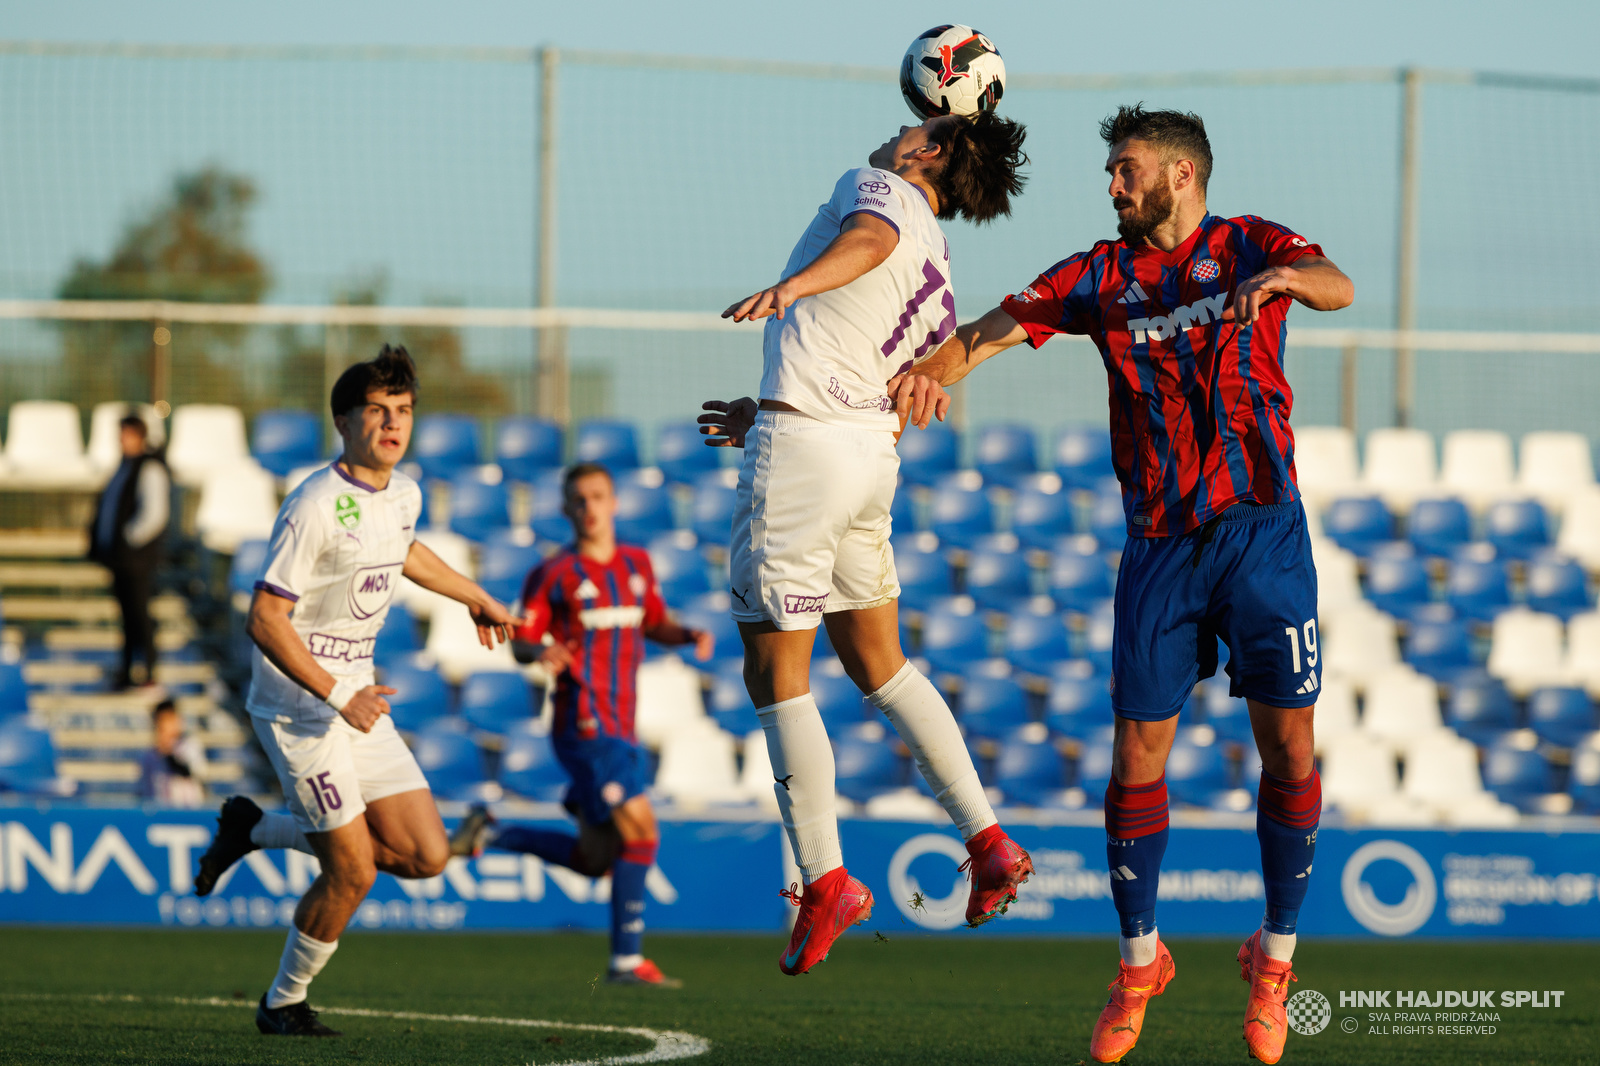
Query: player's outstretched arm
point(864, 242)
point(494, 622)
point(1312, 280)
point(918, 389)
point(269, 626)
point(670, 632)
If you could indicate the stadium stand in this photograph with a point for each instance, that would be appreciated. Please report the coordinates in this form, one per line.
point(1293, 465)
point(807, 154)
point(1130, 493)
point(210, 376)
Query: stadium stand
point(480, 502)
point(44, 446)
point(205, 438)
point(681, 452)
point(926, 457)
point(528, 765)
point(281, 441)
point(1082, 456)
point(237, 504)
point(1477, 466)
point(105, 433)
point(1400, 467)
point(614, 444)
point(525, 446)
point(1005, 453)
point(444, 445)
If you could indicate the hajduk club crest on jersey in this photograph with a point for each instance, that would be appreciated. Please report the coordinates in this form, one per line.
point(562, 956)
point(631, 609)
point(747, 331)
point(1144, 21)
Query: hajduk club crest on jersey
point(1206, 270)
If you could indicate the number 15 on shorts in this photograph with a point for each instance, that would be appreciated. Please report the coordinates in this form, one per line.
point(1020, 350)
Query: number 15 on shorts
point(326, 792)
point(1309, 630)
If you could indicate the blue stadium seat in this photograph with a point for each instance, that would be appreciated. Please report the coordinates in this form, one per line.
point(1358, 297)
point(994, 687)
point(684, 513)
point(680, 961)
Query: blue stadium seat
point(27, 759)
point(1442, 649)
point(1079, 577)
point(477, 508)
point(1358, 523)
point(903, 511)
point(13, 690)
point(679, 567)
point(1479, 589)
point(1561, 715)
point(1558, 586)
point(997, 573)
point(1005, 454)
point(249, 560)
point(1041, 511)
point(1479, 707)
point(524, 446)
point(822, 645)
point(398, 638)
point(1398, 582)
point(1030, 770)
point(1037, 639)
point(681, 452)
point(1197, 768)
point(866, 763)
point(710, 611)
point(644, 507)
point(444, 445)
point(1092, 768)
point(449, 759)
point(529, 768)
point(284, 440)
point(1079, 701)
point(1439, 527)
point(960, 511)
point(613, 444)
point(711, 510)
point(1228, 715)
point(1517, 528)
point(1515, 771)
point(839, 701)
point(423, 695)
point(1082, 455)
point(954, 634)
point(548, 519)
point(928, 455)
point(922, 568)
point(1098, 635)
point(1108, 522)
point(991, 706)
point(496, 701)
point(727, 700)
point(507, 558)
point(1584, 781)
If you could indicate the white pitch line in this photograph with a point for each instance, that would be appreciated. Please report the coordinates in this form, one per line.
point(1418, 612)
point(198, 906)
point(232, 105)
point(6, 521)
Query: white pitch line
point(670, 1045)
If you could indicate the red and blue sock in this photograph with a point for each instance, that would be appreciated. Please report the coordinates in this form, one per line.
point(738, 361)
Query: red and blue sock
point(627, 897)
point(549, 844)
point(1287, 815)
point(1136, 839)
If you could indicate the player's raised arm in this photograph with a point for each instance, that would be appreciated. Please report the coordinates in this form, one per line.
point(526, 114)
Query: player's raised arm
point(864, 242)
point(1312, 280)
point(917, 392)
point(494, 622)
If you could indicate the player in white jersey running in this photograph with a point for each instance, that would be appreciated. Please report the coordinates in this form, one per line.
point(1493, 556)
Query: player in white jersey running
point(358, 801)
point(865, 294)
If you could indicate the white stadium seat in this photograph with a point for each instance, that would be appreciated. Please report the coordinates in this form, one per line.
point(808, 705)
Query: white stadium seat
point(1555, 467)
point(453, 641)
point(697, 766)
point(456, 552)
point(669, 700)
point(1325, 464)
point(1400, 467)
point(1338, 580)
point(1580, 528)
point(755, 776)
point(205, 437)
point(1358, 642)
point(236, 505)
point(1335, 715)
point(1525, 650)
point(1478, 466)
point(292, 480)
point(105, 432)
point(1441, 772)
point(1582, 664)
point(1357, 770)
point(44, 446)
point(1401, 705)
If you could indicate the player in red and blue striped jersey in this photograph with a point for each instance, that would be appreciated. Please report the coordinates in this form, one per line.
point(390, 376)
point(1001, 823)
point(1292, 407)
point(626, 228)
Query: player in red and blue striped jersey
point(587, 611)
point(1188, 310)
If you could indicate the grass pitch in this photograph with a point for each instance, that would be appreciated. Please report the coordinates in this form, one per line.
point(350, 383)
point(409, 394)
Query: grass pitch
point(909, 999)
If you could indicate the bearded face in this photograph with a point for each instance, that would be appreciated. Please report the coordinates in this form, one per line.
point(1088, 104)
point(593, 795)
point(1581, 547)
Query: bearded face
point(1146, 213)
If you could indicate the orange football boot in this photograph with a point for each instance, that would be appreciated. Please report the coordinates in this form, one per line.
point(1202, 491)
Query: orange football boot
point(1119, 1024)
point(1266, 1025)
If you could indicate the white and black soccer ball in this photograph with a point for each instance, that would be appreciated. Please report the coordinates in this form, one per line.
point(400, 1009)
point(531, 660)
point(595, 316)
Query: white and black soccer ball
point(952, 70)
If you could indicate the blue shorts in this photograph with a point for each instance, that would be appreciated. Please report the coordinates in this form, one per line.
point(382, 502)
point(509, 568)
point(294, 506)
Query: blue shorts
point(606, 772)
point(1247, 577)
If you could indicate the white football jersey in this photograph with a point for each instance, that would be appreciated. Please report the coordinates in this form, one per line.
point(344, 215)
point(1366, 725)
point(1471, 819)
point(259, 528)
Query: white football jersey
point(831, 354)
point(337, 550)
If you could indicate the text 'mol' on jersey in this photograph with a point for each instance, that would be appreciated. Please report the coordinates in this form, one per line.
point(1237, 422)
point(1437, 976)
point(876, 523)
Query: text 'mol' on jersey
point(338, 548)
point(831, 354)
point(1199, 407)
point(599, 611)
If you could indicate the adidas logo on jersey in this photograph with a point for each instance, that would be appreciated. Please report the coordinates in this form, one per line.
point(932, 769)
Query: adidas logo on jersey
point(586, 590)
point(1309, 686)
point(1134, 294)
point(1165, 327)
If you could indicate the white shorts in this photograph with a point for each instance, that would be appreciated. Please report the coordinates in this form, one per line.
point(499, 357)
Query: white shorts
point(811, 525)
point(331, 770)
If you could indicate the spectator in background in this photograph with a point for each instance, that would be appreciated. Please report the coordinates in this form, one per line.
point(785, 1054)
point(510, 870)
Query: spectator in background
point(129, 521)
point(170, 772)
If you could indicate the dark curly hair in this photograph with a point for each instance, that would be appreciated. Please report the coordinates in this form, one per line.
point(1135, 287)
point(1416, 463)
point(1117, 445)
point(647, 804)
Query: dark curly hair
point(1175, 134)
point(391, 372)
point(979, 176)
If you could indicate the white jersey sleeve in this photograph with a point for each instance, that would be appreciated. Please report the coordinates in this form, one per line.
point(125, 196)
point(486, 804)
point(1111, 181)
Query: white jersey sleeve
point(865, 191)
point(298, 536)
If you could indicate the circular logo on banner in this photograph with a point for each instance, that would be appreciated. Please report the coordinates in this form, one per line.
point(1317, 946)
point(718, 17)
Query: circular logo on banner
point(1389, 919)
point(1206, 270)
point(928, 911)
point(1309, 1012)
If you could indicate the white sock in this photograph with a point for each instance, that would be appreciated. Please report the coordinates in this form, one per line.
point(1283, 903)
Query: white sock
point(279, 831)
point(802, 772)
point(625, 963)
point(1138, 950)
point(923, 720)
point(303, 959)
point(1278, 946)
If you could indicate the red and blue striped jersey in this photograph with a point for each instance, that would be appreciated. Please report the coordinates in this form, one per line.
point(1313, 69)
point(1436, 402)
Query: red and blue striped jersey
point(599, 611)
point(1199, 407)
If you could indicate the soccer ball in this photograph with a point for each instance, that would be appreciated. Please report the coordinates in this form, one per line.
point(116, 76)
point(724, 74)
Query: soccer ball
point(952, 70)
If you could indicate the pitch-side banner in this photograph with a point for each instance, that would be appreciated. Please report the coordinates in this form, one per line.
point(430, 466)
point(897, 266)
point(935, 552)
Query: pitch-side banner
point(123, 866)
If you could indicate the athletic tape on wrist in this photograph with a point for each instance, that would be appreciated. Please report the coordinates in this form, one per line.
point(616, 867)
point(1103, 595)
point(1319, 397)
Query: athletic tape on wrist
point(343, 690)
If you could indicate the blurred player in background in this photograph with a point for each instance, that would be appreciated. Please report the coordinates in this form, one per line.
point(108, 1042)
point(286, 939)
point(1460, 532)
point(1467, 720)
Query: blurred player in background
point(1217, 535)
point(588, 610)
point(357, 798)
point(866, 292)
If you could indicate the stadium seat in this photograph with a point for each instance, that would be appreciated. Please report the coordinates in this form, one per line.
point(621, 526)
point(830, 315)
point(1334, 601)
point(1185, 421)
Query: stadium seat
point(644, 505)
point(1584, 782)
point(1079, 700)
point(1397, 581)
point(709, 611)
point(1358, 643)
point(284, 440)
point(839, 702)
point(1359, 772)
point(698, 766)
point(104, 451)
point(1526, 650)
point(1098, 635)
point(1477, 466)
point(1325, 464)
point(908, 510)
point(505, 560)
point(1042, 511)
point(612, 444)
point(991, 706)
point(960, 511)
point(1555, 468)
point(1358, 524)
point(448, 757)
point(1561, 715)
point(1338, 580)
point(1442, 774)
point(1480, 708)
point(44, 445)
point(398, 637)
point(1005, 454)
point(681, 452)
point(922, 568)
point(529, 767)
point(421, 695)
point(495, 702)
point(1082, 456)
point(244, 570)
point(865, 762)
point(1036, 638)
point(755, 774)
point(1400, 467)
point(479, 505)
point(1438, 527)
point(679, 567)
point(1516, 771)
point(1580, 528)
point(1335, 714)
point(445, 445)
point(1228, 716)
point(1401, 704)
point(670, 698)
point(1029, 770)
point(453, 641)
point(1582, 665)
point(1479, 589)
point(1197, 768)
point(205, 437)
point(1108, 522)
point(1558, 586)
point(997, 575)
point(28, 761)
point(927, 456)
point(1440, 649)
point(954, 634)
point(1092, 771)
point(1079, 577)
point(524, 446)
point(728, 701)
point(1517, 528)
point(711, 509)
point(236, 504)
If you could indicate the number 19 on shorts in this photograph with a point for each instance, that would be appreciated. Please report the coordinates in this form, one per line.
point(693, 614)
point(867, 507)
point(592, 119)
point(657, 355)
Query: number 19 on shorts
point(1294, 635)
